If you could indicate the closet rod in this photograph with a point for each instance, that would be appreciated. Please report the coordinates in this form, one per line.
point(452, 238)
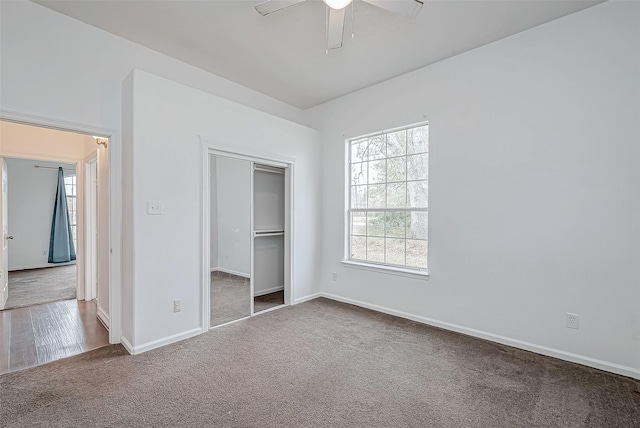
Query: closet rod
point(258, 168)
point(258, 235)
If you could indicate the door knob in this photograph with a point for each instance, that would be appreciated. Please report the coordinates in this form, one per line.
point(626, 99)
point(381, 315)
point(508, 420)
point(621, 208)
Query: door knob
point(10, 237)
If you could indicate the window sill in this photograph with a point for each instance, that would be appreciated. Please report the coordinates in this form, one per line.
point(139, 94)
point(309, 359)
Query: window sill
point(389, 270)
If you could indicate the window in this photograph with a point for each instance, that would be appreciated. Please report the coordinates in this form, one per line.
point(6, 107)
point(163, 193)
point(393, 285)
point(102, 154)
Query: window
point(388, 191)
point(70, 189)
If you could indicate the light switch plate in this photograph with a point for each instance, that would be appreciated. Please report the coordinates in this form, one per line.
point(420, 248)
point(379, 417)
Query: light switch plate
point(154, 208)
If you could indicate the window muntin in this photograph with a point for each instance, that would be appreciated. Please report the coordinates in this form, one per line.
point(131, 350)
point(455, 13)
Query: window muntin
point(388, 198)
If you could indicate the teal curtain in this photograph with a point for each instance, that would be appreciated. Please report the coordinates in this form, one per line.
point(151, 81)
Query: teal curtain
point(61, 241)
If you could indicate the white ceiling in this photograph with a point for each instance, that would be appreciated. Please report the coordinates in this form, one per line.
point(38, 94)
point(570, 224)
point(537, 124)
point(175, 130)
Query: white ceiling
point(283, 54)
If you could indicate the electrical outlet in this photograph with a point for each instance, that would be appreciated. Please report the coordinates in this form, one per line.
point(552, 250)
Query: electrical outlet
point(334, 276)
point(154, 208)
point(44, 252)
point(177, 305)
point(573, 321)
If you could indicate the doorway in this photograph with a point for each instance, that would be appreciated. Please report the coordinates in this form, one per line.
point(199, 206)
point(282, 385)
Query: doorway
point(40, 199)
point(45, 168)
point(247, 242)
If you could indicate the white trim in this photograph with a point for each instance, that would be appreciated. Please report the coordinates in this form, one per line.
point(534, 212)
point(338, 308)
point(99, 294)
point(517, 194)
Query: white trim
point(515, 343)
point(205, 286)
point(389, 270)
point(232, 272)
point(127, 345)
point(115, 201)
point(307, 298)
point(266, 158)
point(230, 322)
point(103, 318)
point(268, 291)
point(165, 341)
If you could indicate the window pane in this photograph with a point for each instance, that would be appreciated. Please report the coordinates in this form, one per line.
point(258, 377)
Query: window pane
point(67, 190)
point(375, 224)
point(417, 167)
point(359, 247)
point(396, 195)
point(417, 253)
point(395, 251)
point(359, 150)
point(417, 193)
point(377, 193)
point(396, 169)
point(359, 173)
point(417, 140)
point(378, 171)
point(390, 172)
point(397, 143)
point(358, 223)
point(375, 250)
point(417, 225)
point(395, 226)
point(377, 149)
point(359, 196)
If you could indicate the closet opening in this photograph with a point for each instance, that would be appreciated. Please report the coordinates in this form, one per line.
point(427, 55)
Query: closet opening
point(247, 241)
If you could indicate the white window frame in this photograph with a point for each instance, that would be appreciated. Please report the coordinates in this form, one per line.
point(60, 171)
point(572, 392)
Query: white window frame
point(74, 186)
point(382, 267)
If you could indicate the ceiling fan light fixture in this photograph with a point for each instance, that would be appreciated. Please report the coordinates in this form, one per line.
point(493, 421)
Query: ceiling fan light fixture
point(337, 4)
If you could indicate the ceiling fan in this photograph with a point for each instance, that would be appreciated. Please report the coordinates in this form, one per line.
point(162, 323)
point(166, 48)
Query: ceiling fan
point(337, 12)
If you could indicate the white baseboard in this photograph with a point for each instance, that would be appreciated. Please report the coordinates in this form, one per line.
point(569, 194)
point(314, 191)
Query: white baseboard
point(268, 291)
point(41, 266)
point(103, 318)
point(127, 345)
point(307, 298)
point(538, 349)
point(164, 341)
point(232, 272)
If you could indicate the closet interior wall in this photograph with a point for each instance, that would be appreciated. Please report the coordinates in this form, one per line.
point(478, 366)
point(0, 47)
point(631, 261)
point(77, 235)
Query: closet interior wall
point(269, 229)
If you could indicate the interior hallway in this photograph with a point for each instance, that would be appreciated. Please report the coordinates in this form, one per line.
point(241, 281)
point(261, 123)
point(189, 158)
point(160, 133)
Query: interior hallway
point(39, 334)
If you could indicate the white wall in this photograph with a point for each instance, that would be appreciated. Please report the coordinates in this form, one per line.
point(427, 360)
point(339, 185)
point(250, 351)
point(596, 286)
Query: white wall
point(57, 67)
point(164, 162)
point(234, 215)
point(31, 194)
point(534, 201)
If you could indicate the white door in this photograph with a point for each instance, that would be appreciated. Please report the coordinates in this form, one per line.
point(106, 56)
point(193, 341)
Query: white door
point(4, 247)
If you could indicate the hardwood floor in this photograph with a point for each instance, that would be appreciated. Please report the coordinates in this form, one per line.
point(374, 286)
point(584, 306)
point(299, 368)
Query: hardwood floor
point(39, 334)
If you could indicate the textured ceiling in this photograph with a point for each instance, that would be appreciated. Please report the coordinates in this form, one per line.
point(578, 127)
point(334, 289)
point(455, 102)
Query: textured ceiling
point(283, 54)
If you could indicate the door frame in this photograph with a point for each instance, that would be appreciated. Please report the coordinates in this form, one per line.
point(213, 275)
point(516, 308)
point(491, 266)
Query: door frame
point(80, 216)
point(114, 152)
point(90, 226)
point(213, 147)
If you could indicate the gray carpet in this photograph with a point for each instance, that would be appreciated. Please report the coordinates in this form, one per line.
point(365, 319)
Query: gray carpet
point(319, 364)
point(38, 286)
point(230, 298)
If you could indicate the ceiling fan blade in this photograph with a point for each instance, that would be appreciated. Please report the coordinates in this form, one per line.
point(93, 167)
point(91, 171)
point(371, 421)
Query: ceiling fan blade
point(406, 8)
point(335, 27)
point(271, 6)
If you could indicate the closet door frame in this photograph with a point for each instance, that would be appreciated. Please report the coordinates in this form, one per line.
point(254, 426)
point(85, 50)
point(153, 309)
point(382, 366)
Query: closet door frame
point(212, 147)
